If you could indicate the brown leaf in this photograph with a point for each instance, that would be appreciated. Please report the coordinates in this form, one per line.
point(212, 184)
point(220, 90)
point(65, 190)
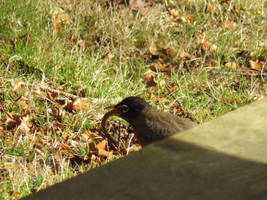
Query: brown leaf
point(57, 27)
point(231, 65)
point(25, 125)
point(82, 92)
point(160, 67)
point(92, 158)
point(159, 99)
point(65, 149)
point(102, 145)
point(154, 49)
point(22, 101)
point(185, 55)
point(76, 105)
point(87, 135)
point(212, 63)
point(17, 84)
point(229, 25)
point(105, 153)
point(61, 16)
point(187, 18)
point(57, 112)
point(150, 78)
point(12, 121)
point(52, 95)
point(257, 65)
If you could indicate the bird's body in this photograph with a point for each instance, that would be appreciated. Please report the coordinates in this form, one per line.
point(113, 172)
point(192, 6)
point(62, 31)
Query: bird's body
point(150, 124)
point(153, 125)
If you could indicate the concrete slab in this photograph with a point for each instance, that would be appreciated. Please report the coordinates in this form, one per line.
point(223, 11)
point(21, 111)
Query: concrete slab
point(222, 159)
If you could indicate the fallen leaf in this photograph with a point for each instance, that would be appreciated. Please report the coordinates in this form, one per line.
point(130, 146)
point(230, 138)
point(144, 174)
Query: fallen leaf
point(187, 18)
point(52, 95)
point(92, 158)
point(22, 101)
point(150, 78)
point(231, 65)
point(57, 27)
point(212, 63)
point(160, 67)
point(17, 84)
point(76, 105)
point(185, 55)
point(57, 112)
point(162, 83)
point(25, 124)
point(102, 145)
point(65, 149)
point(159, 99)
point(105, 153)
point(229, 25)
point(61, 16)
point(82, 92)
point(257, 65)
point(153, 49)
point(12, 121)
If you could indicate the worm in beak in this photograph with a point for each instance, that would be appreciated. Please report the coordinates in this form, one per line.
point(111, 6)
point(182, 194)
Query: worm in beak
point(113, 112)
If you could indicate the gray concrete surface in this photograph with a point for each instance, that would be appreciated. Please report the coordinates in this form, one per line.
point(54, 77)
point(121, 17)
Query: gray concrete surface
point(223, 159)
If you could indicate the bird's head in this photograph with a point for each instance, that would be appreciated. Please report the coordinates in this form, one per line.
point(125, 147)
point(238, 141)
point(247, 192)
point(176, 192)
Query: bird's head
point(129, 108)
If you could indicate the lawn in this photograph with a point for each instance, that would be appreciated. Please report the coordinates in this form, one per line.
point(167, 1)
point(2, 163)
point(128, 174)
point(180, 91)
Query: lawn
point(62, 62)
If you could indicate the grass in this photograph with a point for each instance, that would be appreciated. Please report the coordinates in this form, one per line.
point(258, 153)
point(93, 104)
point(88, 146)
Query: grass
point(206, 47)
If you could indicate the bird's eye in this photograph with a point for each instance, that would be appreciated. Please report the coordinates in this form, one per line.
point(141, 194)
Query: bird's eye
point(124, 108)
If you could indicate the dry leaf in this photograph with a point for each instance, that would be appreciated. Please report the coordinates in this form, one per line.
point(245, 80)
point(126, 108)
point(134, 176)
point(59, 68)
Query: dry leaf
point(12, 121)
point(57, 112)
point(229, 25)
point(57, 27)
point(257, 65)
point(65, 149)
point(17, 84)
point(185, 55)
point(231, 65)
point(61, 16)
point(159, 99)
point(187, 18)
point(212, 63)
point(162, 83)
point(153, 49)
point(150, 78)
point(25, 125)
point(82, 92)
point(22, 101)
point(160, 67)
point(92, 158)
point(174, 13)
point(105, 153)
point(76, 105)
point(52, 95)
point(86, 136)
point(102, 145)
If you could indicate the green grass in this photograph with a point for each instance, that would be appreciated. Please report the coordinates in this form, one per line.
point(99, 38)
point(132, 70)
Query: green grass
point(105, 49)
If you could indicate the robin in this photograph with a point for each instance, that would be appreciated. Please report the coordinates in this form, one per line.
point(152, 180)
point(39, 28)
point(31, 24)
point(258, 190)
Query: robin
point(149, 123)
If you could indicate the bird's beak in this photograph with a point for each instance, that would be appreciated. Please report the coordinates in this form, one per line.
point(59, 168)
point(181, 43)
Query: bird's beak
point(114, 111)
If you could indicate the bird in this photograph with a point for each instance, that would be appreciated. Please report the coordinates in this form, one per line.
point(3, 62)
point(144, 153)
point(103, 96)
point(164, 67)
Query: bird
point(149, 123)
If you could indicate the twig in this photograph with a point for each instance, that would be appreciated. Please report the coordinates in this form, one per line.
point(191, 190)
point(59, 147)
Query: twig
point(44, 87)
